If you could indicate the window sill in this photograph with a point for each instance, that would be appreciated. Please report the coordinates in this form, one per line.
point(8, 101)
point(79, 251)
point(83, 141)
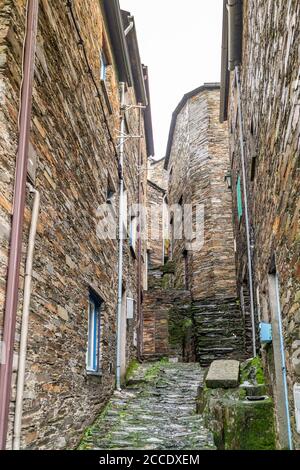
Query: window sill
point(90, 373)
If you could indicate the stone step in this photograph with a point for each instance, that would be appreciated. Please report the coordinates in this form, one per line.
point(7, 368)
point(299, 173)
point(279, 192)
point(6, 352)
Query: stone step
point(152, 418)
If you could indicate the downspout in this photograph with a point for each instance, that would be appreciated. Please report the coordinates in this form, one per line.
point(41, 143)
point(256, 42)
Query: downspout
point(121, 236)
point(139, 232)
point(283, 364)
point(163, 229)
point(245, 191)
point(12, 285)
point(25, 320)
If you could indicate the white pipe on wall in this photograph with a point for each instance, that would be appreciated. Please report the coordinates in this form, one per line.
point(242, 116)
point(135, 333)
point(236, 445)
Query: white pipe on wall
point(245, 191)
point(121, 237)
point(25, 320)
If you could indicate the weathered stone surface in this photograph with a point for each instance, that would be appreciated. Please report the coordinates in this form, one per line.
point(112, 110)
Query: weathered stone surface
point(167, 319)
point(158, 412)
point(197, 167)
point(77, 163)
point(223, 374)
point(238, 419)
point(270, 106)
point(219, 331)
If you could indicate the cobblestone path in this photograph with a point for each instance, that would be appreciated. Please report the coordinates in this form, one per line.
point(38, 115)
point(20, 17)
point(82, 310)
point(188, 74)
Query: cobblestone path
point(156, 411)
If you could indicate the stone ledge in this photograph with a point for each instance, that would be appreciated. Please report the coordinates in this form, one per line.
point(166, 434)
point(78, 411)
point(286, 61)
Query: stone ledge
point(223, 374)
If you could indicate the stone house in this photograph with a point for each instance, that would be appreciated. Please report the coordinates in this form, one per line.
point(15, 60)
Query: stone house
point(191, 308)
point(197, 163)
point(157, 213)
point(84, 51)
point(260, 100)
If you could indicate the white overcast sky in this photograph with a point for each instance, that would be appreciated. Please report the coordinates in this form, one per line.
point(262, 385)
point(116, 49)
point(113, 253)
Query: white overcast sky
point(180, 41)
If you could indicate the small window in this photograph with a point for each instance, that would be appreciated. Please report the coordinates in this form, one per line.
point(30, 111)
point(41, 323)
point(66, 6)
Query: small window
point(103, 68)
point(93, 350)
point(239, 198)
point(111, 192)
point(133, 234)
point(253, 168)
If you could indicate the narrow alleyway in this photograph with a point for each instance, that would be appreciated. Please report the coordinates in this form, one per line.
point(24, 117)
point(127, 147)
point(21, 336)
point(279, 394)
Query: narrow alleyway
point(156, 411)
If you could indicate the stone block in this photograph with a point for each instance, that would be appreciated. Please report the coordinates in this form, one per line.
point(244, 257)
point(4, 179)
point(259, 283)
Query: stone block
point(223, 374)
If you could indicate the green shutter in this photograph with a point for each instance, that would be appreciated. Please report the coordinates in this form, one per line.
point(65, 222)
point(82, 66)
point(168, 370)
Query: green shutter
point(239, 198)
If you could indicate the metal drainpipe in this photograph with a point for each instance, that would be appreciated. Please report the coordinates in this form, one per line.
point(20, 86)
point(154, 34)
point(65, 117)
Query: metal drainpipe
point(237, 75)
point(139, 276)
point(121, 237)
point(25, 320)
point(12, 285)
point(283, 364)
point(163, 229)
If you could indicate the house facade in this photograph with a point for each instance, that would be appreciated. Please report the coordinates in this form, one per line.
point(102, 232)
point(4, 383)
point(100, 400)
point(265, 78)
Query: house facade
point(84, 51)
point(199, 198)
point(260, 101)
point(191, 308)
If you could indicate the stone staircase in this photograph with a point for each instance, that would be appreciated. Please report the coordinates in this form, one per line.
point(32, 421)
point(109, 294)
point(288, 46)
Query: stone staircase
point(157, 411)
point(219, 330)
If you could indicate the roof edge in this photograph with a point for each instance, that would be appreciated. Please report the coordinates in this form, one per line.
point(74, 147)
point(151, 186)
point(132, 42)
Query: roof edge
point(118, 39)
point(205, 87)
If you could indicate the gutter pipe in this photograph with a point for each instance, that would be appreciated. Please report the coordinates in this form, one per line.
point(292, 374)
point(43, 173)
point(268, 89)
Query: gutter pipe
point(163, 228)
point(242, 148)
point(283, 365)
point(235, 33)
point(25, 320)
point(139, 276)
point(12, 286)
point(121, 236)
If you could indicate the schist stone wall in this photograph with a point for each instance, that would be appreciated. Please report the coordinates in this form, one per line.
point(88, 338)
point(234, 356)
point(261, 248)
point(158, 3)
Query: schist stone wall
point(157, 213)
point(197, 165)
point(271, 109)
point(76, 164)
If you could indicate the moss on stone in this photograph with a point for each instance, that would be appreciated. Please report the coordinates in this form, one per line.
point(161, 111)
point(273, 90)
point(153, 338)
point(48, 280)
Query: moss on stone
point(236, 422)
point(153, 372)
point(133, 366)
point(252, 371)
point(168, 268)
point(179, 325)
point(250, 426)
point(85, 440)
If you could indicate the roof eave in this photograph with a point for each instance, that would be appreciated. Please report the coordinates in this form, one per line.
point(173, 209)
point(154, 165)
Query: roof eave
point(135, 59)
point(118, 40)
point(148, 116)
point(225, 74)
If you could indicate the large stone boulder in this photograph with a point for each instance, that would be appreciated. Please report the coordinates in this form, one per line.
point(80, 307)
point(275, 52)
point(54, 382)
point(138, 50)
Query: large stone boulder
point(223, 374)
point(240, 418)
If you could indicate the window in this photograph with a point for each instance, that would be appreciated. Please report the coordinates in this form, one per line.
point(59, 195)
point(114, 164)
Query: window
point(104, 79)
point(239, 198)
point(93, 350)
point(103, 67)
point(133, 234)
point(110, 192)
point(186, 270)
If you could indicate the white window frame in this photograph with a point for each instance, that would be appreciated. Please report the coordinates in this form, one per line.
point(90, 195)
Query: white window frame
point(93, 344)
point(103, 66)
